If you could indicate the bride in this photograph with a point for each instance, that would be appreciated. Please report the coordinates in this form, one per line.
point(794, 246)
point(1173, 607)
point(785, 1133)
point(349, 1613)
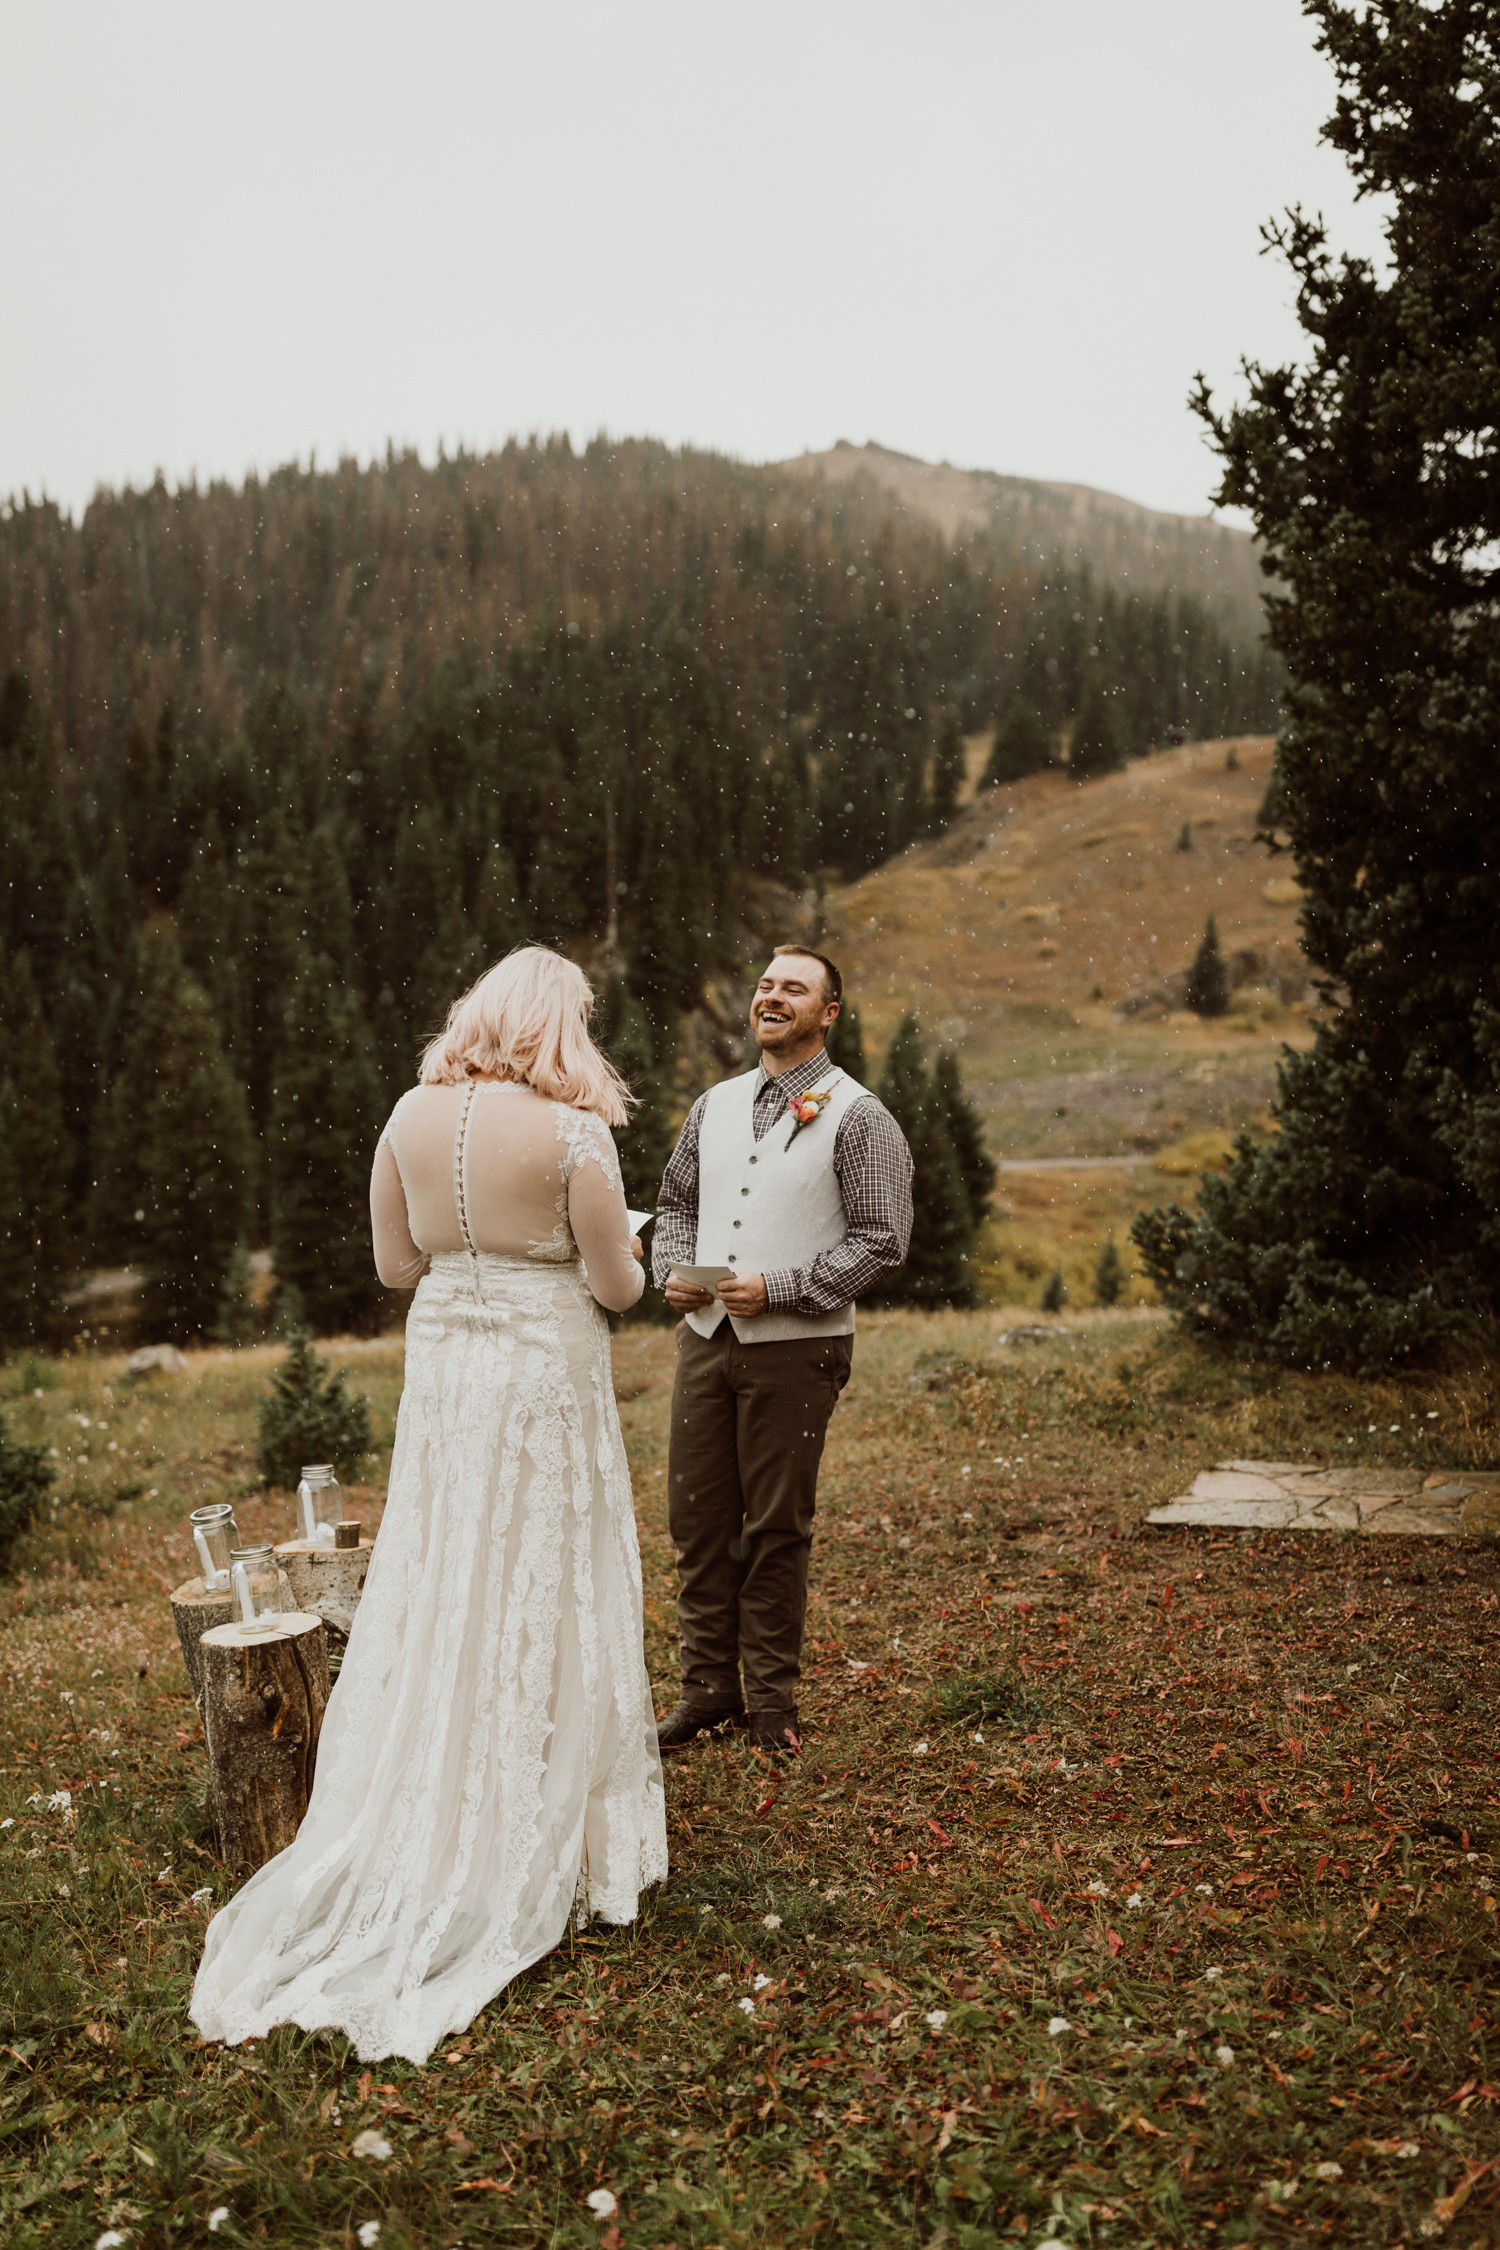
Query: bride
point(488, 1759)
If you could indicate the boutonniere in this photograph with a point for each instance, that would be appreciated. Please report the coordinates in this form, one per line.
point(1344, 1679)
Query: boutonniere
point(806, 1109)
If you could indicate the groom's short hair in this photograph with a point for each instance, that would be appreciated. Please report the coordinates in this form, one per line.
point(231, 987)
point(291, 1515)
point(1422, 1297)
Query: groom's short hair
point(831, 976)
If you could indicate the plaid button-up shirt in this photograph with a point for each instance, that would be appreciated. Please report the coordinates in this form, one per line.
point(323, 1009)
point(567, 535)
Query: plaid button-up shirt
point(872, 1165)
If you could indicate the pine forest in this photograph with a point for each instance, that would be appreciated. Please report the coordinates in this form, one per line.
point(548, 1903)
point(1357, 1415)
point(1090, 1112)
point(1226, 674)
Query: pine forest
point(283, 767)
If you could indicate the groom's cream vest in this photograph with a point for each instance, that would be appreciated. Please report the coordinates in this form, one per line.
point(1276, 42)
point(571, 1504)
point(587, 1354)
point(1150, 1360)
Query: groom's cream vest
point(766, 1204)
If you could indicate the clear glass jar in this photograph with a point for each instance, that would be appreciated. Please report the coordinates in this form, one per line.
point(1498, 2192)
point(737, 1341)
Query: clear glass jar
point(215, 1532)
point(320, 1504)
point(255, 1582)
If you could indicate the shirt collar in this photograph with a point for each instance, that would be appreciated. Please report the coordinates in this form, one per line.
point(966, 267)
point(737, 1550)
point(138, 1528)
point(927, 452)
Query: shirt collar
point(798, 1079)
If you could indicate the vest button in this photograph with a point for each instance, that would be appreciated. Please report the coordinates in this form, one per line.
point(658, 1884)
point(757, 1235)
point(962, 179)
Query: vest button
point(738, 1222)
point(744, 1191)
point(731, 1257)
point(755, 1159)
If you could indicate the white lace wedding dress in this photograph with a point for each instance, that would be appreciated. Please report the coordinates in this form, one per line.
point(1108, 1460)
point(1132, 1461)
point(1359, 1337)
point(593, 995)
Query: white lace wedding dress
point(488, 1759)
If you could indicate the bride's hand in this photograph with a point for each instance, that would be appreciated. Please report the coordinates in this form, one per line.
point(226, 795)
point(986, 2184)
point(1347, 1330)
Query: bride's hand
point(636, 1251)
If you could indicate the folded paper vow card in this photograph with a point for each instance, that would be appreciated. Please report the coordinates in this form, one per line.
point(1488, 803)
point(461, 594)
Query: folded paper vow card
point(638, 1219)
point(702, 1277)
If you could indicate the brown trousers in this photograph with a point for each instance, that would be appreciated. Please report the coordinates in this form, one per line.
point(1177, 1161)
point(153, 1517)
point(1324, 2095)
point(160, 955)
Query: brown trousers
point(748, 1424)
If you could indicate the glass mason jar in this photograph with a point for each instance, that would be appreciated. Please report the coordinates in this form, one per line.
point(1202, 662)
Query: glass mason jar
point(215, 1532)
point(252, 1572)
point(320, 1504)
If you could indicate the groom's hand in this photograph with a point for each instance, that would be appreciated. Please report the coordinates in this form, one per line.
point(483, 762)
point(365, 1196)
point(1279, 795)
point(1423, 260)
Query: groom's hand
point(745, 1294)
point(685, 1296)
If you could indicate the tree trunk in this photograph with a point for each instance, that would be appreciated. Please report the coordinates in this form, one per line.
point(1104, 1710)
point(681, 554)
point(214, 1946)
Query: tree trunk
point(194, 1613)
point(263, 1710)
point(326, 1582)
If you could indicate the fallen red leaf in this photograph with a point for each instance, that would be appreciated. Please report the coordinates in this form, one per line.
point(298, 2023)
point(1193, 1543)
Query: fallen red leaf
point(941, 1833)
point(470, 2187)
point(1114, 1940)
point(1037, 1907)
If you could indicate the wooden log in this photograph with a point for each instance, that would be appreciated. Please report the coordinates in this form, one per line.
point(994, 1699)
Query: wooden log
point(326, 1581)
point(264, 1699)
point(195, 1611)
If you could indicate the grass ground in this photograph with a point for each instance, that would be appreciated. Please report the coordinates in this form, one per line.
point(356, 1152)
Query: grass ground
point(1134, 1888)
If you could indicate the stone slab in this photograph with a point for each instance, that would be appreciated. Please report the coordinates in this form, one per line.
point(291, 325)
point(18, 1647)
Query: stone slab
point(1292, 1496)
point(1239, 1515)
point(1236, 1484)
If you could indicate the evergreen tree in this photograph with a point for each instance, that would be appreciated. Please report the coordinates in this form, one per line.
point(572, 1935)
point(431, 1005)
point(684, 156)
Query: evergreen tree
point(966, 1132)
point(308, 1415)
point(1208, 980)
point(937, 1264)
point(196, 1156)
point(26, 1476)
point(1023, 745)
point(1109, 1274)
point(845, 1043)
point(645, 1142)
point(1098, 744)
point(1054, 1292)
point(1360, 1233)
point(950, 770)
point(327, 1109)
point(237, 1324)
point(36, 1157)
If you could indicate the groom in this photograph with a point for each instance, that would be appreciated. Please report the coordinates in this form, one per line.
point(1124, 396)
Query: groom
point(799, 1180)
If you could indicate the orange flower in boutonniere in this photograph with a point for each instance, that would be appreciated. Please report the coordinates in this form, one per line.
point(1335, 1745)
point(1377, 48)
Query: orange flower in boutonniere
point(806, 1109)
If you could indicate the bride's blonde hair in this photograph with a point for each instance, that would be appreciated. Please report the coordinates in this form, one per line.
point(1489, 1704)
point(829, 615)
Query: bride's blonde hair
point(527, 1019)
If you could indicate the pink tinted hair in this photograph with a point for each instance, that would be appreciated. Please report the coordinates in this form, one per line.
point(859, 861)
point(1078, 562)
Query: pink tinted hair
point(527, 1019)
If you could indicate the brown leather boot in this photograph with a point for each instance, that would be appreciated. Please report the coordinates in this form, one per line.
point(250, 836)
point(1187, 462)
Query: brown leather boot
point(689, 1720)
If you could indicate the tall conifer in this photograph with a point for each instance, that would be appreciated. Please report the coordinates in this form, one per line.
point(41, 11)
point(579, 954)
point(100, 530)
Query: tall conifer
point(35, 1164)
point(937, 1264)
point(966, 1132)
point(327, 1109)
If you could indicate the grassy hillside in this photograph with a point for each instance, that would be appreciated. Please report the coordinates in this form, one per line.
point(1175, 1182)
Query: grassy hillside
point(1045, 937)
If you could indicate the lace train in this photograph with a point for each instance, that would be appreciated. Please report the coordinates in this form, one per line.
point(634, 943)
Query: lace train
point(488, 1757)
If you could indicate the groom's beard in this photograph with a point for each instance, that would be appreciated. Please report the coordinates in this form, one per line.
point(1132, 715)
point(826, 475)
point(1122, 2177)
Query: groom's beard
point(795, 1030)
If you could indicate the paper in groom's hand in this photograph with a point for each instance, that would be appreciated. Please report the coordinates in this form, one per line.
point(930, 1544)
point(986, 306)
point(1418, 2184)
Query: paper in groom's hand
point(702, 1277)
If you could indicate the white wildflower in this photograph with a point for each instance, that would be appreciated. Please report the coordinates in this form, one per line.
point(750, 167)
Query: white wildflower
point(1135, 1899)
point(371, 2143)
point(770, 1921)
point(1213, 1974)
point(7, 1824)
point(919, 1750)
point(200, 1896)
point(369, 2233)
point(1408, 2148)
point(1098, 1889)
point(746, 2007)
point(601, 2203)
point(723, 1977)
point(1057, 2026)
point(1329, 2171)
point(1204, 1890)
point(936, 2018)
point(67, 1696)
point(761, 1982)
point(109, 2240)
point(1224, 2057)
point(60, 1800)
point(705, 1910)
point(217, 2216)
point(979, 1738)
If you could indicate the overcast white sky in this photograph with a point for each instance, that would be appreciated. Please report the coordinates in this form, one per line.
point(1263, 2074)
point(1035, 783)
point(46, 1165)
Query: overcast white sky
point(998, 232)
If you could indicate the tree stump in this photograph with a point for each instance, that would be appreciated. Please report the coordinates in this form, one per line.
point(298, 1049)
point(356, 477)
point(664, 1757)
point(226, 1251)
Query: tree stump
point(326, 1581)
point(195, 1611)
point(263, 1704)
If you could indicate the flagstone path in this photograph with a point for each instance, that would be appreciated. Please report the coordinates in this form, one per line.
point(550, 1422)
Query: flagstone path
point(1288, 1496)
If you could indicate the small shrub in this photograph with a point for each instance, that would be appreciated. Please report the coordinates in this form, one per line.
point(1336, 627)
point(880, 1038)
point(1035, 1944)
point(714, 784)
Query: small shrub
point(309, 1416)
point(1055, 1293)
point(976, 1696)
point(1208, 978)
point(1185, 837)
point(25, 1477)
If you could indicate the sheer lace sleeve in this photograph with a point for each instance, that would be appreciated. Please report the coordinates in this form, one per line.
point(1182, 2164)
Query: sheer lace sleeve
point(399, 1261)
point(596, 1209)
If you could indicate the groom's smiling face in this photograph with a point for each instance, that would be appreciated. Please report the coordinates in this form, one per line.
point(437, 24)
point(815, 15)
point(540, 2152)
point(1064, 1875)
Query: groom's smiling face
point(791, 1009)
